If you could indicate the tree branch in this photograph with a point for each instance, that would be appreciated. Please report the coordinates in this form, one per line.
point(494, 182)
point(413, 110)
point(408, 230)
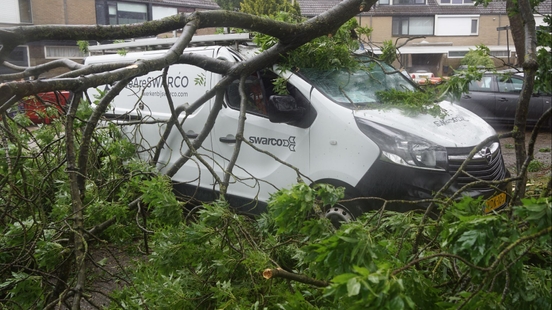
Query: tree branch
point(280, 273)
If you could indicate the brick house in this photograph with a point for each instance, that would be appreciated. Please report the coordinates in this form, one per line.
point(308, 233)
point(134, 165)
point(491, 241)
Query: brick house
point(440, 31)
point(82, 12)
point(437, 33)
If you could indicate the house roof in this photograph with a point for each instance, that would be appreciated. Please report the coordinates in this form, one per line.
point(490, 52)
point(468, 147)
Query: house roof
point(433, 7)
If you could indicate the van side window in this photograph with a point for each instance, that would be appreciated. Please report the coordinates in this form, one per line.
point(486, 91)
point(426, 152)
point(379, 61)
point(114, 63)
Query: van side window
point(256, 95)
point(259, 87)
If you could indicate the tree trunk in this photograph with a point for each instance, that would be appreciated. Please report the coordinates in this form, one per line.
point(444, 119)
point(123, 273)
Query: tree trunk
point(529, 68)
point(518, 33)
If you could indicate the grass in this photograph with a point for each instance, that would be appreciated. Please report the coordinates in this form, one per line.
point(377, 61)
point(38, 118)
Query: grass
point(535, 166)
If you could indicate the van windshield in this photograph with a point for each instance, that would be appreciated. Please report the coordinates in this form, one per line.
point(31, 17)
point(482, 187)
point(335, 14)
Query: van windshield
point(358, 87)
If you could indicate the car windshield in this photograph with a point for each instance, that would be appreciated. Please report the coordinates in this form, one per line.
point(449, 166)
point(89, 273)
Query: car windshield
point(357, 87)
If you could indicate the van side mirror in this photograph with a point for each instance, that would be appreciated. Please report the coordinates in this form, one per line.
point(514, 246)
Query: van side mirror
point(284, 109)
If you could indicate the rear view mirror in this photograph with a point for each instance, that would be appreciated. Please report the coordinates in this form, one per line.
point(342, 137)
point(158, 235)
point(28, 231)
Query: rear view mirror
point(284, 109)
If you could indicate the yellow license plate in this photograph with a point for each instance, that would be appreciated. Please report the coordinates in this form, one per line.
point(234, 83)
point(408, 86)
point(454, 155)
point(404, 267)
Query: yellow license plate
point(495, 202)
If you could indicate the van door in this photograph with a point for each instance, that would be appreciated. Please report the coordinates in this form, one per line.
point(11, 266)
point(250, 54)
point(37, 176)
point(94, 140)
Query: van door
point(258, 171)
point(144, 102)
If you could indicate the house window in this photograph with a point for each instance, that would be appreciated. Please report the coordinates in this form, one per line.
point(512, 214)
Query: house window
point(456, 25)
point(159, 12)
point(474, 24)
point(127, 13)
point(54, 52)
point(457, 2)
point(457, 54)
point(19, 57)
point(16, 12)
point(383, 2)
point(403, 2)
point(25, 15)
point(499, 53)
point(118, 12)
point(412, 26)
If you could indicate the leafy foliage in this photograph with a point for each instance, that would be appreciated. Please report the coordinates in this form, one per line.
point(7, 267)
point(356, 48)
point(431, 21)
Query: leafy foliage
point(469, 259)
point(229, 4)
point(412, 102)
point(544, 72)
point(270, 7)
point(326, 52)
point(35, 203)
point(479, 57)
point(388, 52)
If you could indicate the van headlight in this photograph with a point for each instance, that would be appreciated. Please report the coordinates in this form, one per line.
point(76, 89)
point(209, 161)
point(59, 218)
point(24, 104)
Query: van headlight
point(403, 148)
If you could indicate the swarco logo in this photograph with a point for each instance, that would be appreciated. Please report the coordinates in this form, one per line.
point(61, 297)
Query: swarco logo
point(289, 142)
point(177, 81)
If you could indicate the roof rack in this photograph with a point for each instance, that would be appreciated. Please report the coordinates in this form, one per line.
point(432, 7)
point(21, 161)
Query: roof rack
point(158, 43)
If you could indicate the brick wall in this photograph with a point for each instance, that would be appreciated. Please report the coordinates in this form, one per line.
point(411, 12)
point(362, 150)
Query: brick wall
point(70, 12)
point(487, 31)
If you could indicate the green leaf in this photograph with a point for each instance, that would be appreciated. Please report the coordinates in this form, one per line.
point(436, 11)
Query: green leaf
point(353, 287)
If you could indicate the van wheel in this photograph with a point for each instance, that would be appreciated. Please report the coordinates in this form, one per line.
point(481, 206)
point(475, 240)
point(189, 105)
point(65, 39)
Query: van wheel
point(339, 214)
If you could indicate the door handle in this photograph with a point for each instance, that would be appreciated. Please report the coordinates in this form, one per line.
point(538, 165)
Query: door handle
point(228, 139)
point(502, 99)
point(466, 97)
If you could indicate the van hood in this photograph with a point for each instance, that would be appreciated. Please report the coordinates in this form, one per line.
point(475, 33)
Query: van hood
point(458, 128)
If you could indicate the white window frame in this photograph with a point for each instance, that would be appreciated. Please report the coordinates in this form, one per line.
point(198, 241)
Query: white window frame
point(49, 48)
point(457, 21)
point(454, 56)
point(539, 20)
point(411, 18)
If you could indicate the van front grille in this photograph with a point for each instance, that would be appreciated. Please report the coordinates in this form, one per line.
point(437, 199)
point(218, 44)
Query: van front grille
point(486, 165)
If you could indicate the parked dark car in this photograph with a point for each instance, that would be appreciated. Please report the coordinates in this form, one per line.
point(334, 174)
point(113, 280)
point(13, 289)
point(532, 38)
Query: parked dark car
point(495, 98)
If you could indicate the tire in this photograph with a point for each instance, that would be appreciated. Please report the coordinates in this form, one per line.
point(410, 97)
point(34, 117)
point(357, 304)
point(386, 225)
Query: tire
point(342, 211)
point(339, 214)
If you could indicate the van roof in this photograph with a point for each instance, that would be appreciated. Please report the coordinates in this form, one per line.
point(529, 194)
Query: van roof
point(164, 43)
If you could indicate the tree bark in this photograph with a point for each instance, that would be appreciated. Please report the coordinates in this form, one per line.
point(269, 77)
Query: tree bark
point(530, 66)
point(280, 273)
point(516, 28)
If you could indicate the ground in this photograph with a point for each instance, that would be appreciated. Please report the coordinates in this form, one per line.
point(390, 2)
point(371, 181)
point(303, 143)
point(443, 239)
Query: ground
point(542, 153)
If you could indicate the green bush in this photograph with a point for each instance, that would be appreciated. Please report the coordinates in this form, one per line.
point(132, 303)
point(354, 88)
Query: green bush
point(535, 166)
point(467, 259)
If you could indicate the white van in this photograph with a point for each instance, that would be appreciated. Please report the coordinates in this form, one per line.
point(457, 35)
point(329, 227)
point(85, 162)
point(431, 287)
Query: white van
point(330, 127)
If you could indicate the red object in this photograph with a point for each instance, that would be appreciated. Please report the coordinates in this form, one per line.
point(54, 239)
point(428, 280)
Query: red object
point(35, 108)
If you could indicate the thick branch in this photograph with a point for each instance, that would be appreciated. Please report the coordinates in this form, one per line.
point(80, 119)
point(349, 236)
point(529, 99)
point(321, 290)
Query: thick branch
point(280, 273)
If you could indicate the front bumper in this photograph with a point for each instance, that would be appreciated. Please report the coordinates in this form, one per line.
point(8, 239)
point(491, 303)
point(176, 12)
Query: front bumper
point(410, 188)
